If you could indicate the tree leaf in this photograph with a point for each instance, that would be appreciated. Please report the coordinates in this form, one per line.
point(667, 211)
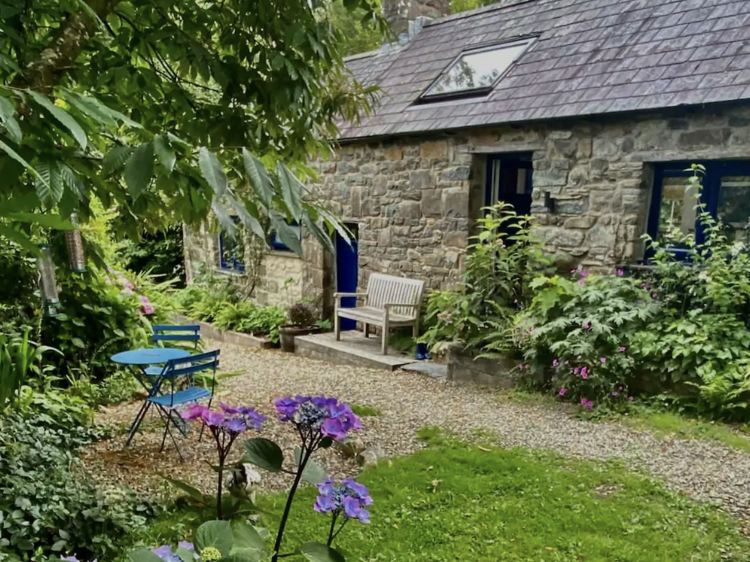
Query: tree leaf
point(291, 190)
point(317, 552)
point(116, 158)
point(217, 534)
point(65, 118)
point(313, 473)
point(247, 220)
point(225, 221)
point(259, 178)
point(165, 153)
point(55, 222)
point(212, 172)
point(140, 169)
point(17, 157)
point(20, 238)
point(91, 107)
point(143, 555)
point(49, 185)
point(7, 119)
point(288, 235)
point(264, 454)
point(320, 234)
point(78, 343)
point(71, 181)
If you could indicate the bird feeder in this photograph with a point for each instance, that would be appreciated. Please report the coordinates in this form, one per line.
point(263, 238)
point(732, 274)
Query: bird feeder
point(74, 242)
point(47, 281)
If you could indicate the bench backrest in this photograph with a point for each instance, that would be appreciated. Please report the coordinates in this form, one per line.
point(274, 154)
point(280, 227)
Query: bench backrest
point(389, 289)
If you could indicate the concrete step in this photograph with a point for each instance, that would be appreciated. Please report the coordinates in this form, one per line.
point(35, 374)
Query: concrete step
point(353, 349)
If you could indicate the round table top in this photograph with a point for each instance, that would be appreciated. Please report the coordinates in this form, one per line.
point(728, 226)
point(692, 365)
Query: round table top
point(149, 356)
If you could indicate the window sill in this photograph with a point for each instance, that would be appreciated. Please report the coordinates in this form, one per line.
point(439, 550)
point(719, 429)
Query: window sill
point(282, 254)
point(230, 272)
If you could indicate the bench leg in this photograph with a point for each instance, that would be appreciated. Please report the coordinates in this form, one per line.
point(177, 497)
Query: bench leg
point(367, 330)
point(337, 326)
point(385, 336)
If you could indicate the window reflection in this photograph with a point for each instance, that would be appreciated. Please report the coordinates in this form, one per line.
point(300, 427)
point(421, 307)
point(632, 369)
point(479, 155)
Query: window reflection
point(677, 210)
point(734, 206)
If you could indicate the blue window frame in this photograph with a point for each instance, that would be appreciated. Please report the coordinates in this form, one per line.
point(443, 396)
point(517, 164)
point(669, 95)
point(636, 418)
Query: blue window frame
point(276, 242)
point(231, 252)
point(725, 193)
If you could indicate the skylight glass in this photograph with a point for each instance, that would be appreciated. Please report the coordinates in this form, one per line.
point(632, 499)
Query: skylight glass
point(476, 71)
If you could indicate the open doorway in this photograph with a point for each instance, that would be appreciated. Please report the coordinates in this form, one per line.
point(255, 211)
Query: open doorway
point(347, 271)
point(510, 180)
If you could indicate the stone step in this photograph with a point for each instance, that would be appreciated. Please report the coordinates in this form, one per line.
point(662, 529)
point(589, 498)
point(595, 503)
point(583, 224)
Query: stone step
point(353, 349)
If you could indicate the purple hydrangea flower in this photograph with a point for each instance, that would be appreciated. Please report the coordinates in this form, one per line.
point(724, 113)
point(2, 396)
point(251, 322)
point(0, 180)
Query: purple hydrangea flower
point(614, 393)
point(186, 545)
point(327, 415)
point(620, 272)
point(234, 420)
point(603, 359)
point(165, 553)
point(348, 498)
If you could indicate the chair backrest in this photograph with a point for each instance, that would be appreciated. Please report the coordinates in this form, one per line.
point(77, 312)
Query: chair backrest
point(388, 289)
point(166, 332)
point(187, 367)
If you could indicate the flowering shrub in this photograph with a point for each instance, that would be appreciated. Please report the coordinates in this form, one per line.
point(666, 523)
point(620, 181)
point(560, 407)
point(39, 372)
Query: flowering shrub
point(500, 263)
point(577, 330)
point(318, 420)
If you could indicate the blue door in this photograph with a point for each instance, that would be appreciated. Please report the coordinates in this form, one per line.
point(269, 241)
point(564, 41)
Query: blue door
point(347, 271)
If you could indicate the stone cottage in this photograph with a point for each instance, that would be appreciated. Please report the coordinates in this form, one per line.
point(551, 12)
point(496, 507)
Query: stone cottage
point(584, 113)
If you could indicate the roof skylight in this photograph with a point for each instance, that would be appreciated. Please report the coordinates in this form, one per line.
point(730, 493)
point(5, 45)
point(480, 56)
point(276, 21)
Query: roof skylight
point(476, 71)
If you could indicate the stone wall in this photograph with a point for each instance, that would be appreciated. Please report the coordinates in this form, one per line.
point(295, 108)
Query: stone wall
point(415, 198)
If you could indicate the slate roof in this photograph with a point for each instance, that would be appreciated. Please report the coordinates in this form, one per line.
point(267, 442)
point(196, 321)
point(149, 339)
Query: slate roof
point(592, 57)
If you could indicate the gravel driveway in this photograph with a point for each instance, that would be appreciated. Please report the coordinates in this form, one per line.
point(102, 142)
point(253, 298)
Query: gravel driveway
point(703, 470)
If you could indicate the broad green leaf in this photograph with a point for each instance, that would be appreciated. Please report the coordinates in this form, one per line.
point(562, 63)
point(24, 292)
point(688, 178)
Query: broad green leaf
point(143, 555)
point(217, 534)
point(65, 118)
point(20, 238)
point(288, 235)
point(8, 121)
point(247, 541)
point(17, 157)
point(78, 343)
point(9, 63)
point(49, 185)
point(116, 158)
point(247, 220)
point(313, 473)
point(291, 190)
point(55, 222)
point(263, 453)
point(139, 169)
point(259, 178)
point(340, 228)
point(165, 153)
point(185, 555)
point(319, 233)
point(192, 492)
point(317, 552)
point(212, 171)
point(91, 107)
point(225, 221)
point(71, 181)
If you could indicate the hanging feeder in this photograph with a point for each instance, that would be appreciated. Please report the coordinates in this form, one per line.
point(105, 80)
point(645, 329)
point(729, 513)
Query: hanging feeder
point(47, 281)
point(74, 242)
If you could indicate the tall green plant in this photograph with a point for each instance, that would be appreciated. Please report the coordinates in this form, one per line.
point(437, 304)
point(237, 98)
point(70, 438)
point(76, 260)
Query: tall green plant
point(19, 358)
point(501, 261)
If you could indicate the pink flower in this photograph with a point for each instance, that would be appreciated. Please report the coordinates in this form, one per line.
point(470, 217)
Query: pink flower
point(144, 299)
point(520, 367)
point(581, 281)
point(622, 348)
point(586, 326)
point(566, 362)
point(589, 404)
point(614, 393)
point(620, 388)
point(563, 391)
point(555, 363)
point(620, 273)
point(576, 371)
point(654, 296)
point(147, 309)
point(583, 402)
point(584, 373)
point(603, 359)
point(630, 398)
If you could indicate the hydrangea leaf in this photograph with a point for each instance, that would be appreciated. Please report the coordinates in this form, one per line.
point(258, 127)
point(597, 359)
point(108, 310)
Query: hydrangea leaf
point(217, 534)
point(264, 454)
point(143, 555)
point(317, 552)
point(247, 542)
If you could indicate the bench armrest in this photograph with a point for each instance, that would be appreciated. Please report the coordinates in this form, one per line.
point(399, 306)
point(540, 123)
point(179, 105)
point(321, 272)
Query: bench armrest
point(340, 295)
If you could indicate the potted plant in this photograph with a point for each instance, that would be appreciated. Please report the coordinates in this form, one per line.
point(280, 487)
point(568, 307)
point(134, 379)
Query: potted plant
point(302, 322)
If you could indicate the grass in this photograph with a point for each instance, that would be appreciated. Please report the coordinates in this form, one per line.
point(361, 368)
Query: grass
point(457, 501)
point(365, 411)
point(679, 426)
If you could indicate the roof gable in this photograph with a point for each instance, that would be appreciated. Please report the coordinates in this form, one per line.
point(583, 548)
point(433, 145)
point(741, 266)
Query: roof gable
point(592, 57)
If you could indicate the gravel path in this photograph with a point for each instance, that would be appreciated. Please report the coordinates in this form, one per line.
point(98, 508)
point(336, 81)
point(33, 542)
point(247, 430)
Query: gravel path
point(702, 469)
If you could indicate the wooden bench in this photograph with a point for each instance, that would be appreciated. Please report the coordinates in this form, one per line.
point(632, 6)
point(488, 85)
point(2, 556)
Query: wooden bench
point(389, 302)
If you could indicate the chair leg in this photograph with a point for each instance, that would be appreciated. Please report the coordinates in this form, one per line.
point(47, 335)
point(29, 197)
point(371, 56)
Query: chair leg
point(367, 330)
point(137, 422)
point(385, 337)
point(337, 325)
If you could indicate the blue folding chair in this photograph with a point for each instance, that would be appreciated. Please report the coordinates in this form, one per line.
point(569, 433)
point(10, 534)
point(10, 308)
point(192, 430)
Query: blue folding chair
point(176, 333)
point(166, 400)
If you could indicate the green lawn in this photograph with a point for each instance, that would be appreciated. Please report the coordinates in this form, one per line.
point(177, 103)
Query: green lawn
point(457, 501)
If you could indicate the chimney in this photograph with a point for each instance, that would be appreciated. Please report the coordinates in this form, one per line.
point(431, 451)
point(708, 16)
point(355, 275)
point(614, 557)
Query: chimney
point(400, 13)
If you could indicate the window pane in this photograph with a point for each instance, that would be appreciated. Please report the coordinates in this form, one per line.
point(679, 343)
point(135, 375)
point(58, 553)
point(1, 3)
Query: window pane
point(677, 210)
point(734, 206)
point(477, 70)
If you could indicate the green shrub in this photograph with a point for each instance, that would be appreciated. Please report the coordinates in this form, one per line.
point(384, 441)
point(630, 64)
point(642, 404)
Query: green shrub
point(301, 314)
point(499, 268)
point(264, 321)
point(159, 253)
point(48, 504)
point(577, 331)
point(230, 315)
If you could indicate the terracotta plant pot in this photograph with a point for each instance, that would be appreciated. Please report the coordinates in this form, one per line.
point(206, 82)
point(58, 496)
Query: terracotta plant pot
point(289, 332)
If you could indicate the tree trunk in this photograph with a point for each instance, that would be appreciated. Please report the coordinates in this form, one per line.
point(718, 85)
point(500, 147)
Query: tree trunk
point(68, 43)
